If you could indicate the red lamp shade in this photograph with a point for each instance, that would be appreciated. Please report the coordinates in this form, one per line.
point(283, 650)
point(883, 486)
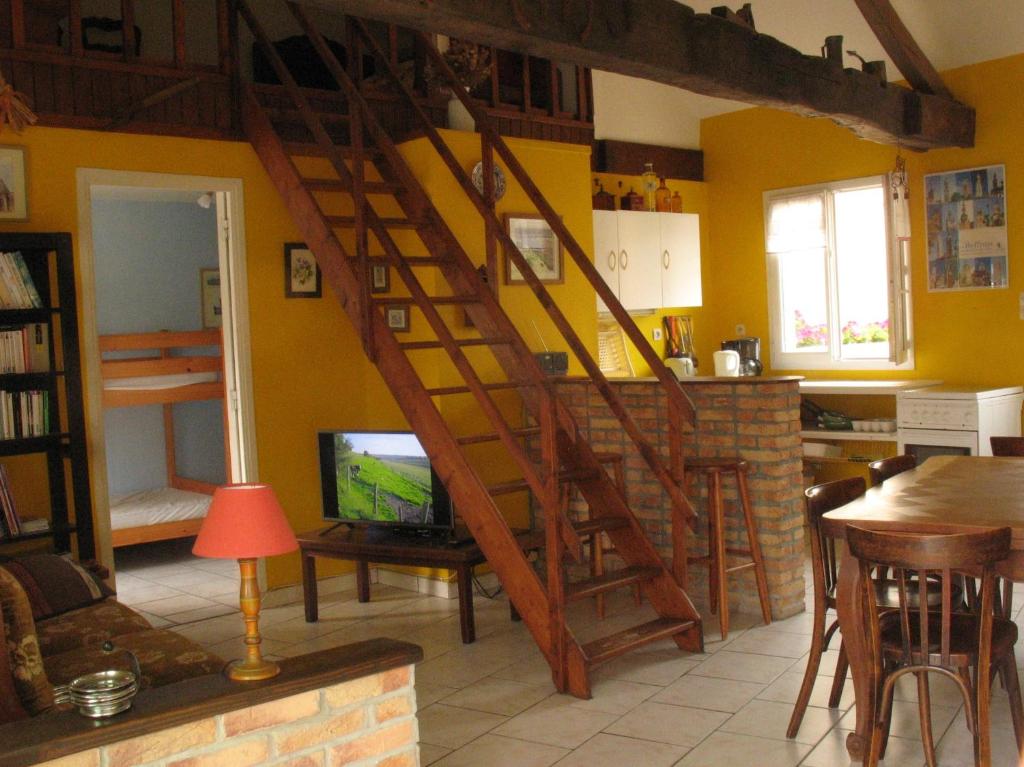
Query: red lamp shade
point(244, 521)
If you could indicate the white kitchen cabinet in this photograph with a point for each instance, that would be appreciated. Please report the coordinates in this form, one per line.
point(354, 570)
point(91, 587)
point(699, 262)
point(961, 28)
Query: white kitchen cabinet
point(650, 260)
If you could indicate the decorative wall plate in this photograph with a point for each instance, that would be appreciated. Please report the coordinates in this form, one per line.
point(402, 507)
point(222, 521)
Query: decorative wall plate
point(499, 180)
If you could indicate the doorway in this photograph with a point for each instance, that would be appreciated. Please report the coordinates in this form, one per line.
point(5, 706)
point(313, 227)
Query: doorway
point(184, 292)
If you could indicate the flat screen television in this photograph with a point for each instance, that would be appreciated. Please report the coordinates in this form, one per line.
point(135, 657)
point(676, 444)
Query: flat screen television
point(381, 478)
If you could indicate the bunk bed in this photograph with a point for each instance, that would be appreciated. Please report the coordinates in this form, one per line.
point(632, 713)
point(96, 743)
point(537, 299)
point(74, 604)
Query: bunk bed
point(162, 368)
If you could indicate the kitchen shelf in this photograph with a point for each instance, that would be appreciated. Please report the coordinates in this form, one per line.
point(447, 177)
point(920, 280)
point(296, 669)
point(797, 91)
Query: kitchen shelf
point(853, 436)
point(864, 387)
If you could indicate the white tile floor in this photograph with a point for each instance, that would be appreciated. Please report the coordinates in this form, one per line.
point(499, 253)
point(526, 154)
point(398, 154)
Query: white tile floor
point(491, 703)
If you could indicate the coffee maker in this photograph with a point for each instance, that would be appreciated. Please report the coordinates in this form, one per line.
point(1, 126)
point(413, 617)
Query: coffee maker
point(749, 349)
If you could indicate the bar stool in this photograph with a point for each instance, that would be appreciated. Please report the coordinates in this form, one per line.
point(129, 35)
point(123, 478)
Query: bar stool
point(713, 470)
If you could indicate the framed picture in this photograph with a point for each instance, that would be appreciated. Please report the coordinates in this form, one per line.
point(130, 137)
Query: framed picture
point(380, 278)
point(13, 187)
point(397, 317)
point(209, 291)
point(538, 244)
point(966, 218)
point(301, 272)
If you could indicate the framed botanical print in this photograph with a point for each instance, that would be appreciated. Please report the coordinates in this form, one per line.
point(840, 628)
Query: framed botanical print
point(13, 187)
point(380, 278)
point(397, 317)
point(301, 272)
point(538, 244)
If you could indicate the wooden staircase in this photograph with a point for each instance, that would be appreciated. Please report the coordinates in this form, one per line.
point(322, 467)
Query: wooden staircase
point(549, 452)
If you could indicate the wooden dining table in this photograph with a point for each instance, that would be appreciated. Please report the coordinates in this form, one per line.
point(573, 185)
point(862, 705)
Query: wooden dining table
point(945, 494)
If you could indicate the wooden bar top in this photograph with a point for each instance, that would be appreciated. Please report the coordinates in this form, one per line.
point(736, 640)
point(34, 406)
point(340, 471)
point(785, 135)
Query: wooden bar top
point(51, 736)
point(692, 380)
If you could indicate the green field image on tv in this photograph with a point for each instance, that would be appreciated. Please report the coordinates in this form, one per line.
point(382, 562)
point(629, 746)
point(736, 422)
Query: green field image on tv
point(383, 488)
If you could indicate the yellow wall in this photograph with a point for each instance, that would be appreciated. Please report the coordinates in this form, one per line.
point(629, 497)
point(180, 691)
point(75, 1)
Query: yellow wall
point(695, 200)
point(308, 367)
point(962, 337)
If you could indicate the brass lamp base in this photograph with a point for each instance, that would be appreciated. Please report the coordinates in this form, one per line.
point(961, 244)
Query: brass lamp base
point(253, 667)
point(244, 671)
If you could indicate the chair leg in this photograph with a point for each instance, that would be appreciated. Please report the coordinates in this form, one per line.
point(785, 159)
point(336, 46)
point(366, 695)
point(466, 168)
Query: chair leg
point(811, 672)
point(924, 707)
point(885, 720)
point(842, 666)
point(1011, 682)
point(720, 563)
point(755, 546)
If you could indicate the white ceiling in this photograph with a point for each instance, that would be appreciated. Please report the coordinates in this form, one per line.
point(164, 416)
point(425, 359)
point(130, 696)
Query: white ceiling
point(951, 33)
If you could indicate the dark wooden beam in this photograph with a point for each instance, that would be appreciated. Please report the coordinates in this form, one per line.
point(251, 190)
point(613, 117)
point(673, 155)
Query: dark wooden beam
point(901, 47)
point(627, 158)
point(666, 42)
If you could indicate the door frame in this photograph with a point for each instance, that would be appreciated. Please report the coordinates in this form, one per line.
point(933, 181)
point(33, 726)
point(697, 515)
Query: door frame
point(241, 419)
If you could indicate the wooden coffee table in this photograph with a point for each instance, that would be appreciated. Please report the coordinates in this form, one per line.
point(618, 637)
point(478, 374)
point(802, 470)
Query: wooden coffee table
point(383, 545)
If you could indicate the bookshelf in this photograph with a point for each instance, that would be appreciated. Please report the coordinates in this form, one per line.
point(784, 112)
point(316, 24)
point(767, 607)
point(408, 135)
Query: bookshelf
point(41, 406)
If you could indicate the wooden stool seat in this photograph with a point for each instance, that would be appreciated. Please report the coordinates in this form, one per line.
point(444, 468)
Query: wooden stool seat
point(713, 469)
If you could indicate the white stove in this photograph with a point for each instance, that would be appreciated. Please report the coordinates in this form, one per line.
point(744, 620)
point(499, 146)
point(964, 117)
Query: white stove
point(957, 420)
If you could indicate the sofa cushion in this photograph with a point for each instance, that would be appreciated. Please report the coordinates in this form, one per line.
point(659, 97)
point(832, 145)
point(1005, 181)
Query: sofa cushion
point(92, 625)
point(22, 647)
point(55, 584)
point(164, 657)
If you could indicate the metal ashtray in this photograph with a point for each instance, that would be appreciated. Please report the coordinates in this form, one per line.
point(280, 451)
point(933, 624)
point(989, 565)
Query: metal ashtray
point(104, 693)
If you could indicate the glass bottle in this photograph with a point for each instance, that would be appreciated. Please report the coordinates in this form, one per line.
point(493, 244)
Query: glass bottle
point(649, 180)
point(662, 198)
point(677, 203)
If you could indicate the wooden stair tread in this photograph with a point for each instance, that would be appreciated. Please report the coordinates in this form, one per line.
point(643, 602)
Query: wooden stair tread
point(519, 485)
point(595, 525)
point(284, 115)
point(476, 439)
point(337, 185)
point(446, 390)
point(458, 342)
point(391, 222)
point(609, 581)
point(612, 646)
point(305, 149)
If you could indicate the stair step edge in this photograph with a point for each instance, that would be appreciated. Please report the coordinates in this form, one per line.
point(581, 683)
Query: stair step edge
point(599, 525)
point(612, 646)
point(610, 581)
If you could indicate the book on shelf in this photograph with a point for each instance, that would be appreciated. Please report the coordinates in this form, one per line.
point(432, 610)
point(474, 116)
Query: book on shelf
point(24, 414)
point(25, 348)
point(8, 514)
point(17, 289)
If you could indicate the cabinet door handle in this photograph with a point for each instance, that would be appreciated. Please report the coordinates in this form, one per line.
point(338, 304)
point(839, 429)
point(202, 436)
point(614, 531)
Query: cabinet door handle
point(624, 260)
point(611, 260)
point(666, 259)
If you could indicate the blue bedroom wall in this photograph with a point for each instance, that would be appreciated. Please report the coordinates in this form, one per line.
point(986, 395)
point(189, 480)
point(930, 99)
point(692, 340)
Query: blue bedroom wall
point(148, 255)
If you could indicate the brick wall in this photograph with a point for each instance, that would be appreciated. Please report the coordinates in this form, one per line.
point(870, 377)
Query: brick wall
point(759, 421)
point(364, 722)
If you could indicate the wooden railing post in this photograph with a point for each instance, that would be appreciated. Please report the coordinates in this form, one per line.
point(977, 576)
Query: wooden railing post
point(491, 237)
point(680, 522)
point(75, 27)
point(178, 20)
point(128, 28)
point(554, 548)
point(356, 140)
point(18, 23)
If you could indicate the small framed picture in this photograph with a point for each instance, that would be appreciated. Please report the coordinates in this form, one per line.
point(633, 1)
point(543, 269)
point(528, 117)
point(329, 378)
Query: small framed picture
point(380, 278)
point(209, 290)
point(301, 272)
point(538, 244)
point(13, 186)
point(397, 317)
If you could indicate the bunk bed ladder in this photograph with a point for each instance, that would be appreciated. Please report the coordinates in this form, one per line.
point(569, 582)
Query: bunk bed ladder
point(549, 451)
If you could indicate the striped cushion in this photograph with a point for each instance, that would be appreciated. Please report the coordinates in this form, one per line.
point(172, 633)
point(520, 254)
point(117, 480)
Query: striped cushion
point(55, 584)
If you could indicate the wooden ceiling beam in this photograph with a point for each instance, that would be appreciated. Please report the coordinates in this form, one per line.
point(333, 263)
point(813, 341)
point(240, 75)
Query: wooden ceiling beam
point(663, 41)
point(901, 47)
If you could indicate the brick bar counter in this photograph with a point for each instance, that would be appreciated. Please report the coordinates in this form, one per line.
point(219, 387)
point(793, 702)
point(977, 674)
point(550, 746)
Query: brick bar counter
point(757, 418)
point(351, 705)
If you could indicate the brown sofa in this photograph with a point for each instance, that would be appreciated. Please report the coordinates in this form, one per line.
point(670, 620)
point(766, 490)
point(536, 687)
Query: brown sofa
point(54, 650)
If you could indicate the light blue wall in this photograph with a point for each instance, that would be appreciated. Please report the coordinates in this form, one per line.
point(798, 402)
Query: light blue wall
point(148, 256)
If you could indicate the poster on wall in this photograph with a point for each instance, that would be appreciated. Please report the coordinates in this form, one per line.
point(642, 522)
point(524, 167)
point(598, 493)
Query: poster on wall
point(966, 215)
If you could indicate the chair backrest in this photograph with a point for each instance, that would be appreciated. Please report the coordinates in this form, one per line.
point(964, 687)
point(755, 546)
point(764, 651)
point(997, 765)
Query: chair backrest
point(890, 467)
point(917, 559)
point(818, 500)
point(1007, 446)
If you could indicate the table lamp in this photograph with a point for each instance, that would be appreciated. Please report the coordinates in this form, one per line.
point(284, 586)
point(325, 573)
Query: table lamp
point(245, 522)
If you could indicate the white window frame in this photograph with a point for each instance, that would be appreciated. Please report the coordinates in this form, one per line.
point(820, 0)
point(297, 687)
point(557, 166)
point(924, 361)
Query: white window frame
point(901, 356)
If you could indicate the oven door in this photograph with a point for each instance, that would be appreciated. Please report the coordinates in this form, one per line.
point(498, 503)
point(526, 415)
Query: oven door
point(924, 443)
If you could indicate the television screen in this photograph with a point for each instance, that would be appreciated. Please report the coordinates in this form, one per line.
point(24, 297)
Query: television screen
point(381, 478)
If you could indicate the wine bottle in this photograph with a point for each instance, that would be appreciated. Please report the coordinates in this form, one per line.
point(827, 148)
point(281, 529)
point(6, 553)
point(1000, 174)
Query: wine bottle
point(662, 198)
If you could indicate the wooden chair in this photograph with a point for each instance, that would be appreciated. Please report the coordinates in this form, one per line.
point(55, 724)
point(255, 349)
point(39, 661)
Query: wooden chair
point(890, 467)
point(1011, 447)
point(824, 570)
point(912, 640)
point(713, 470)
